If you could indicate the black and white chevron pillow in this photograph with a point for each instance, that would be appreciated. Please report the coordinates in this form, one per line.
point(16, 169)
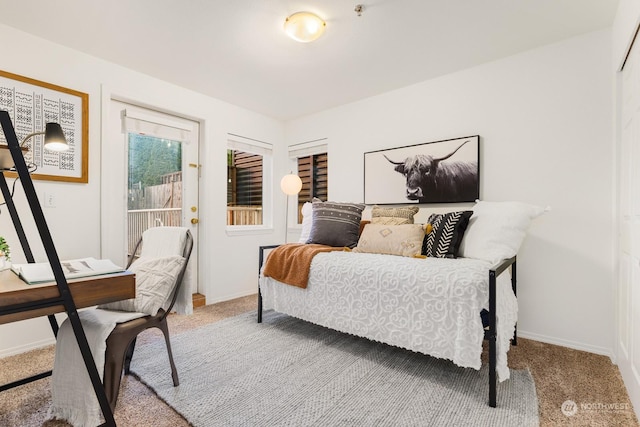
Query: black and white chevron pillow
point(446, 234)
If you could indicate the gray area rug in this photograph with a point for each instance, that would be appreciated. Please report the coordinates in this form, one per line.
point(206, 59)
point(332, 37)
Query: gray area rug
point(286, 372)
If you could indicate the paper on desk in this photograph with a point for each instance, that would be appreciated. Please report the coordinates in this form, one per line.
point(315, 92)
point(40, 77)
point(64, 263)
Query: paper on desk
point(84, 267)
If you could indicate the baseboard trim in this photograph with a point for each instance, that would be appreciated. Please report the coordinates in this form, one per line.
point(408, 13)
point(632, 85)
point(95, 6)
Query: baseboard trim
point(27, 347)
point(568, 343)
point(234, 296)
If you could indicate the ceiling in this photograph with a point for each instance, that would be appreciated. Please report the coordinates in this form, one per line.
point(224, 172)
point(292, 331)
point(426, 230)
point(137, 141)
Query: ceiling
point(236, 50)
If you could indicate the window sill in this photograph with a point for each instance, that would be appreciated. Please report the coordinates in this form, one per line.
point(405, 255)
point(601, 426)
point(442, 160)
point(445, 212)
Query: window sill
point(248, 230)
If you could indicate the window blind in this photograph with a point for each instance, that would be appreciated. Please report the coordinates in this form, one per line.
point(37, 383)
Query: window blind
point(249, 145)
point(159, 126)
point(308, 148)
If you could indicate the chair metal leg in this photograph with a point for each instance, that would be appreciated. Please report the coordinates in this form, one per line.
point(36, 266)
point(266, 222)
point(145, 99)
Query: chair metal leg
point(128, 356)
point(174, 372)
point(113, 364)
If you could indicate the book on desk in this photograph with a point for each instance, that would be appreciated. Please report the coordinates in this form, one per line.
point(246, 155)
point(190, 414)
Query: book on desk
point(40, 272)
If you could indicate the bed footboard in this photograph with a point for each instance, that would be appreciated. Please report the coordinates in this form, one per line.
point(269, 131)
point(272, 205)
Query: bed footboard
point(492, 333)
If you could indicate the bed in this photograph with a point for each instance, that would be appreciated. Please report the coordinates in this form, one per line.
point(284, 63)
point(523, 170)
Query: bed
point(429, 305)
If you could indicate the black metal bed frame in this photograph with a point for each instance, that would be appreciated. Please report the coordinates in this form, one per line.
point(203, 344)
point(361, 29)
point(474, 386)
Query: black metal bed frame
point(490, 334)
point(65, 297)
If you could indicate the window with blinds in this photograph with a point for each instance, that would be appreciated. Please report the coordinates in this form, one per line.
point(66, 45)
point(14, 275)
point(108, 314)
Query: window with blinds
point(244, 188)
point(245, 182)
point(312, 170)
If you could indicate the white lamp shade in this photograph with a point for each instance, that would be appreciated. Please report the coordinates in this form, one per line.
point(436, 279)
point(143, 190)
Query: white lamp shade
point(304, 27)
point(291, 184)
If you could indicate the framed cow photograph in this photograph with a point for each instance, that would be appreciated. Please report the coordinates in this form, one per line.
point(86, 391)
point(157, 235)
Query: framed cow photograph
point(445, 171)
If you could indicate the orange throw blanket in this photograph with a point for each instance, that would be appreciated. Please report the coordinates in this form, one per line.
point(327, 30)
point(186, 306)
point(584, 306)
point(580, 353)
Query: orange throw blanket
point(291, 263)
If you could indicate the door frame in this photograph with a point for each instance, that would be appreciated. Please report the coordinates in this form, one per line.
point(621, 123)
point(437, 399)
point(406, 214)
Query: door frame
point(113, 180)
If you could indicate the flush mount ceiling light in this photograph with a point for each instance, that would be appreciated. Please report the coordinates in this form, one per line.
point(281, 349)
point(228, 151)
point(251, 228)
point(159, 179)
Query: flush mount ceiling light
point(304, 27)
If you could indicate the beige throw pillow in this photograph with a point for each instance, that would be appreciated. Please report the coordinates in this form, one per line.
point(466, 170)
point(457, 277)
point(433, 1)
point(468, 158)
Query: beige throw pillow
point(403, 240)
point(393, 216)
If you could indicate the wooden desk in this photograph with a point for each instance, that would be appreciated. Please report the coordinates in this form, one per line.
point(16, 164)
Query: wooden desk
point(32, 305)
point(17, 298)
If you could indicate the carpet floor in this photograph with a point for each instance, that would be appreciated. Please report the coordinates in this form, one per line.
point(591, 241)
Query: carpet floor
point(560, 374)
point(286, 372)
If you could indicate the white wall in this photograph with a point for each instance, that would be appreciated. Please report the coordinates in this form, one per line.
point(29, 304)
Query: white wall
point(545, 120)
point(228, 264)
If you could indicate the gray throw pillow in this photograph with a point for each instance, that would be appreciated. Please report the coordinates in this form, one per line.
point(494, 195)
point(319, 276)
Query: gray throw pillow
point(336, 224)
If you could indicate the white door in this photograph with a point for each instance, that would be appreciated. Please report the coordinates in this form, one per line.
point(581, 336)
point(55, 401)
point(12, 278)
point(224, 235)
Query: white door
point(151, 169)
point(628, 303)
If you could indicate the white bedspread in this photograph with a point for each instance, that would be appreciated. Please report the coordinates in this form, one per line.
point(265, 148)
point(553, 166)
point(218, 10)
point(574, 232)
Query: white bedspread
point(427, 305)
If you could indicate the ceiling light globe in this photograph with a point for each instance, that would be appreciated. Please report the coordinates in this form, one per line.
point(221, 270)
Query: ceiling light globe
point(304, 27)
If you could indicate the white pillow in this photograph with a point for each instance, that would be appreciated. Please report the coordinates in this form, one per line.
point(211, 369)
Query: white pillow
point(496, 230)
point(155, 278)
point(307, 222)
